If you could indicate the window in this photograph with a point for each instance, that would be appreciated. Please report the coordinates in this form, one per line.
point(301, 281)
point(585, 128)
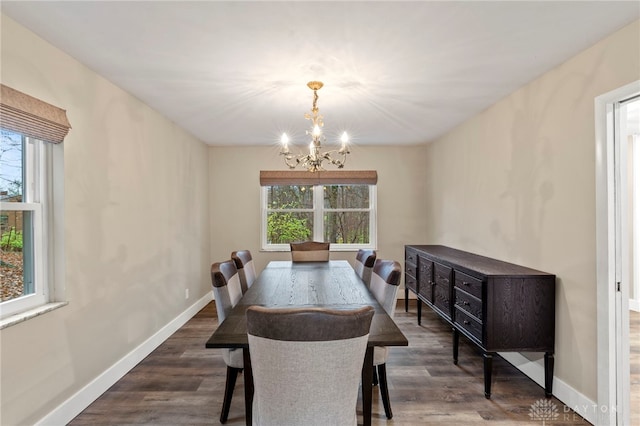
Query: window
point(31, 176)
point(342, 214)
point(23, 229)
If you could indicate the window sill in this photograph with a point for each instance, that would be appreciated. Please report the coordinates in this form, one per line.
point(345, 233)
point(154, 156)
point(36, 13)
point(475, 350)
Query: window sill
point(31, 313)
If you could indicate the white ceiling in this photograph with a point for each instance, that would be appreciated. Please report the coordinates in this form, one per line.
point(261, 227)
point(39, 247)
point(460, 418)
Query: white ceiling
point(235, 73)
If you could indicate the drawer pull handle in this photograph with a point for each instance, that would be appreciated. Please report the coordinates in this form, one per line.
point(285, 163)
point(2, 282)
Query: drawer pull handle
point(465, 322)
point(466, 283)
point(464, 302)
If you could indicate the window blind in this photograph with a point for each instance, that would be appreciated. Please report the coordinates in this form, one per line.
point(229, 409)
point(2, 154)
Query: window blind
point(324, 177)
point(32, 117)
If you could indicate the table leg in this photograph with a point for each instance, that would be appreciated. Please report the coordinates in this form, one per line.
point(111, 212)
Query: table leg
point(367, 386)
point(419, 312)
point(248, 386)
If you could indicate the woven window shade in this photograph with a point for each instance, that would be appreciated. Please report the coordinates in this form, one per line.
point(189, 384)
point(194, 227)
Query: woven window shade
point(32, 117)
point(328, 177)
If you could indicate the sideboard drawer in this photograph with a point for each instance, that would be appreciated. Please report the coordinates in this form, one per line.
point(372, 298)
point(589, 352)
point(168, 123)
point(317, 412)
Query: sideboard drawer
point(469, 284)
point(410, 256)
point(411, 283)
point(468, 323)
point(410, 269)
point(468, 303)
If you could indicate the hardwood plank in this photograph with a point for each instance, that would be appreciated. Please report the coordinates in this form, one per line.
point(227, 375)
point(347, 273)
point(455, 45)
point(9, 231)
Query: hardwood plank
point(182, 383)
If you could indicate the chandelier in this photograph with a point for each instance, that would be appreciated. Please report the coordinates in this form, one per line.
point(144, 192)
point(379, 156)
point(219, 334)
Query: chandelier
point(313, 160)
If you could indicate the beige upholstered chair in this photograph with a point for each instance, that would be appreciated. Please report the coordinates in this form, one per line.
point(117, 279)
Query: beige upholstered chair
point(227, 292)
point(385, 279)
point(364, 264)
point(310, 251)
point(307, 364)
point(246, 268)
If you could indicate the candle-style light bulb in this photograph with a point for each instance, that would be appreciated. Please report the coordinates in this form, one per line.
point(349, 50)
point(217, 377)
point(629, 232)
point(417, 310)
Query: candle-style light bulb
point(285, 143)
point(316, 131)
point(345, 140)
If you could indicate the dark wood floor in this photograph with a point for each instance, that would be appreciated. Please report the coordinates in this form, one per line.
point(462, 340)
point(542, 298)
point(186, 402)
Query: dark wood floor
point(181, 383)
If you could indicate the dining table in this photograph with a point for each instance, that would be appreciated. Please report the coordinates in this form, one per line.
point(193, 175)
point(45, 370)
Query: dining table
point(284, 284)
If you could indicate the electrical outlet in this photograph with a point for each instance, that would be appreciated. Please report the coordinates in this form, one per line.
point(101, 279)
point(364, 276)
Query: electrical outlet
point(186, 293)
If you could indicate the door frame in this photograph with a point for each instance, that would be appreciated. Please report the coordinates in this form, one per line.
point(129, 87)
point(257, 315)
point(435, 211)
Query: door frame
point(634, 304)
point(611, 408)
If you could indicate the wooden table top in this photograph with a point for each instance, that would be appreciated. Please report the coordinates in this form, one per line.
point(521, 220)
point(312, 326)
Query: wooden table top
point(285, 284)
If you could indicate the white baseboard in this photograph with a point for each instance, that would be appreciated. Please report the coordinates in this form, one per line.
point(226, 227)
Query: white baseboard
point(572, 399)
point(73, 406)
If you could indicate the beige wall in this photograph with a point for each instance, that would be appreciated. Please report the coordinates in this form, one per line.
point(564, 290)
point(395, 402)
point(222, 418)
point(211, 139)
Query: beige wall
point(136, 229)
point(517, 182)
point(148, 207)
point(235, 198)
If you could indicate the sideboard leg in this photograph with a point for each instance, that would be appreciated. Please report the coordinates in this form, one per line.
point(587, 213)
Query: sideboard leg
point(419, 312)
point(548, 374)
point(456, 341)
point(406, 300)
point(488, 364)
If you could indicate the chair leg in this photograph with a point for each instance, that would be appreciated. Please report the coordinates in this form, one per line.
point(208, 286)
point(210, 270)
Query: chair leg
point(384, 390)
point(375, 376)
point(232, 375)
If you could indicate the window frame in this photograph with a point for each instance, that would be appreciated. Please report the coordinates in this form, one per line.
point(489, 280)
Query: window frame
point(37, 200)
point(318, 217)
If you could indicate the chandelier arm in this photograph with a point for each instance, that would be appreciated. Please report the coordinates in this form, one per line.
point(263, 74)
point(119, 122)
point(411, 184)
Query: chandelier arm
point(337, 162)
point(287, 160)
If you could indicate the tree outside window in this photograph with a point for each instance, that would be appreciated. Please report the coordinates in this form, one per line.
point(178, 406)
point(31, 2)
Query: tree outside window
point(16, 222)
point(340, 214)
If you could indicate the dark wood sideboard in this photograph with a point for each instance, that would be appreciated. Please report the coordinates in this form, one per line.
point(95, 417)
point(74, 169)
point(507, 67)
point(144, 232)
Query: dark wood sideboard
point(499, 306)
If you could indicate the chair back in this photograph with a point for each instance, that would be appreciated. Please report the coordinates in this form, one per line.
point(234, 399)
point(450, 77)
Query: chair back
point(246, 269)
point(385, 279)
point(364, 264)
point(227, 290)
point(307, 364)
point(310, 251)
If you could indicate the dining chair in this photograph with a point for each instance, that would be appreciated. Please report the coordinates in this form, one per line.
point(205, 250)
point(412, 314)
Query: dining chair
point(385, 279)
point(310, 251)
point(307, 364)
point(364, 264)
point(246, 268)
point(227, 291)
